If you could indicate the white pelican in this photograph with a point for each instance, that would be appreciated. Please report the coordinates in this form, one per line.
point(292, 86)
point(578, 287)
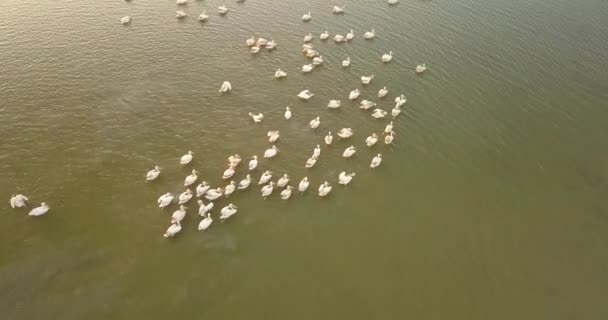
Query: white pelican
point(267, 190)
point(253, 163)
point(388, 128)
point(226, 86)
point(255, 49)
point(317, 60)
point(266, 176)
point(273, 136)
point(345, 178)
point(324, 189)
point(187, 158)
point(271, 152)
point(250, 42)
point(392, 1)
point(379, 113)
point(180, 14)
point(371, 140)
point(399, 101)
point(179, 215)
point(317, 151)
point(311, 162)
point(324, 35)
point(329, 138)
point(185, 196)
point(338, 38)
point(203, 17)
point(234, 160)
point(227, 212)
point(382, 92)
point(203, 209)
point(228, 173)
point(308, 37)
point(181, 2)
point(307, 17)
point(337, 9)
point(283, 181)
point(202, 188)
point(257, 118)
point(205, 223)
point(314, 123)
point(333, 104)
point(191, 178)
point(153, 174)
point(287, 113)
point(18, 201)
point(366, 104)
point(421, 68)
point(311, 53)
point(270, 45)
point(369, 34)
point(354, 94)
point(280, 73)
point(387, 57)
point(262, 42)
point(213, 194)
point(222, 10)
point(307, 68)
point(346, 62)
point(125, 20)
point(349, 152)
point(306, 47)
point(306, 94)
point(376, 161)
point(38, 211)
point(345, 133)
point(286, 194)
point(229, 189)
point(173, 230)
point(388, 139)
point(165, 200)
point(366, 79)
point(303, 184)
point(350, 35)
point(395, 111)
point(244, 184)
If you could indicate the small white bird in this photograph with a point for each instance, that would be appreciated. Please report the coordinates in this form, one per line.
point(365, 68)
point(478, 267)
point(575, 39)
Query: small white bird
point(337, 9)
point(257, 118)
point(270, 45)
point(311, 53)
point(388, 128)
point(179, 215)
point(354, 94)
point(261, 42)
point(366, 79)
point(324, 35)
point(401, 100)
point(227, 212)
point(187, 158)
point(346, 62)
point(267, 190)
point(165, 200)
point(202, 188)
point(213, 194)
point(185, 196)
point(18, 201)
point(369, 34)
point(350, 35)
point(255, 49)
point(371, 140)
point(395, 111)
point(38, 211)
point(421, 68)
point(387, 57)
point(307, 68)
point(250, 42)
point(283, 181)
point(345, 178)
point(125, 20)
point(234, 160)
point(266, 176)
point(306, 94)
point(222, 10)
point(317, 60)
point(228, 173)
point(244, 184)
point(314, 123)
point(205, 223)
point(287, 113)
point(308, 37)
point(153, 174)
point(307, 17)
point(203, 17)
point(392, 2)
point(311, 162)
point(270, 153)
point(388, 139)
point(338, 38)
point(379, 113)
point(286, 194)
point(191, 178)
point(382, 92)
point(376, 161)
point(173, 230)
point(366, 104)
point(349, 152)
point(226, 86)
point(303, 184)
point(181, 2)
point(334, 104)
point(273, 136)
point(180, 14)
point(345, 133)
point(317, 151)
point(253, 163)
point(203, 209)
point(280, 73)
point(229, 189)
point(329, 138)
point(324, 189)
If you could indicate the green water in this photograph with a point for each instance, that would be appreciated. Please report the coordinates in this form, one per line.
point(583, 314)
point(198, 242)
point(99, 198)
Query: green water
point(491, 204)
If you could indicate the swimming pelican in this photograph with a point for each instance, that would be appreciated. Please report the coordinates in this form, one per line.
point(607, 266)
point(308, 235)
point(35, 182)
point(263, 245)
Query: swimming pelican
point(346, 62)
point(307, 17)
point(253, 163)
point(421, 68)
point(202, 188)
point(333, 104)
point(376, 161)
point(399, 101)
point(308, 37)
point(388, 139)
point(262, 42)
point(267, 190)
point(287, 113)
point(250, 42)
point(18, 201)
point(329, 138)
point(180, 14)
point(350, 35)
point(311, 53)
point(314, 123)
point(382, 92)
point(311, 162)
point(286, 194)
point(153, 174)
point(395, 111)
point(270, 45)
point(187, 158)
point(283, 181)
point(324, 35)
point(366, 79)
point(222, 10)
point(387, 57)
point(306, 47)
point(273, 136)
point(185, 196)
point(317, 60)
point(234, 160)
point(388, 128)
point(369, 34)
point(371, 140)
point(228, 173)
point(306, 94)
point(337, 9)
point(317, 151)
point(257, 118)
point(227, 212)
point(173, 230)
point(255, 49)
point(345, 133)
point(307, 68)
point(345, 178)
point(349, 152)
point(354, 94)
point(226, 86)
point(181, 2)
point(38, 211)
point(125, 20)
point(338, 38)
point(280, 73)
point(303, 184)
point(324, 189)
point(203, 209)
point(271, 152)
point(203, 17)
point(379, 113)
point(244, 184)
point(191, 179)
point(213, 194)
point(229, 189)
point(392, 1)
point(205, 223)
point(165, 200)
point(266, 176)
point(179, 215)
point(366, 104)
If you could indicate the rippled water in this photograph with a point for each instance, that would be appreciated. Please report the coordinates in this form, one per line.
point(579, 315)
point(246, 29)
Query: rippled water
point(490, 205)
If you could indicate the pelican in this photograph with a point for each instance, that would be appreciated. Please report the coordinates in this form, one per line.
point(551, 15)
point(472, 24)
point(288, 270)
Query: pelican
point(227, 212)
point(271, 152)
point(399, 101)
point(153, 174)
point(270, 45)
point(303, 184)
point(173, 230)
point(345, 178)
point(329, 138)
point(250, 42)
point(324, 35)
point(285, 194)
point(349, 152)
point(205, 223)
point(266, 176)
point(379, 113)
point(376, 161)
point(421, 68)
point(307, 68)
point(317, 151)
point(181, 2)
point(369, 34)
point(262, 42)
point(273, 136)
point(180, 14)
point(311, 53)
point(203, 209)
point(337, 9)
point(283, 181)
point(388, 139)
point(203, 17)
point(38, 211)
point(345, 133)
point(346, 62)
point(382, 92)
point(244, 184)
point(311, 162)
point(354, 94)
point(179, 215)
point(395, 111)
point(306, 17)
point(308, 37)
point(338, 38)
point(387, 57)
point(234, 160)
point(388, 128)
point(280, 73)
point(333, 104)
point(350, 35)
point(213, 194)
point(267, 190)
point(255, 49)
point(185, 196)
point(317, 60)
point(18, 201)
point(257, 118)
point(187, 158)
point(366, 79)
point(222, 10)
point(228, 173)
point(306, 47)
point(125, 20)
point(202, 188)
point(366, 104)
point(324, 189)
point(165, 200)
point(287, 113)
point(226, 86)
point(392, 1)
point(306, 94)
point(371, 140)
point(253, 163)
point(314, 123)
point(191, 179)
point(229, 189)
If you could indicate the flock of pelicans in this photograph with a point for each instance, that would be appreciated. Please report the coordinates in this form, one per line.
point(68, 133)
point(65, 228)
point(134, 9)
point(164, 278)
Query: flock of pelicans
point(268, 187)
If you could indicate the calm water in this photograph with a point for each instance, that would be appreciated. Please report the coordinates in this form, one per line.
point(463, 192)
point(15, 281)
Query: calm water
point(492, 204)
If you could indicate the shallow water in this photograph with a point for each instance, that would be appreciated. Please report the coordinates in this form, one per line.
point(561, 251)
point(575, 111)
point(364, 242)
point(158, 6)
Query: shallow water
point(490, 205)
